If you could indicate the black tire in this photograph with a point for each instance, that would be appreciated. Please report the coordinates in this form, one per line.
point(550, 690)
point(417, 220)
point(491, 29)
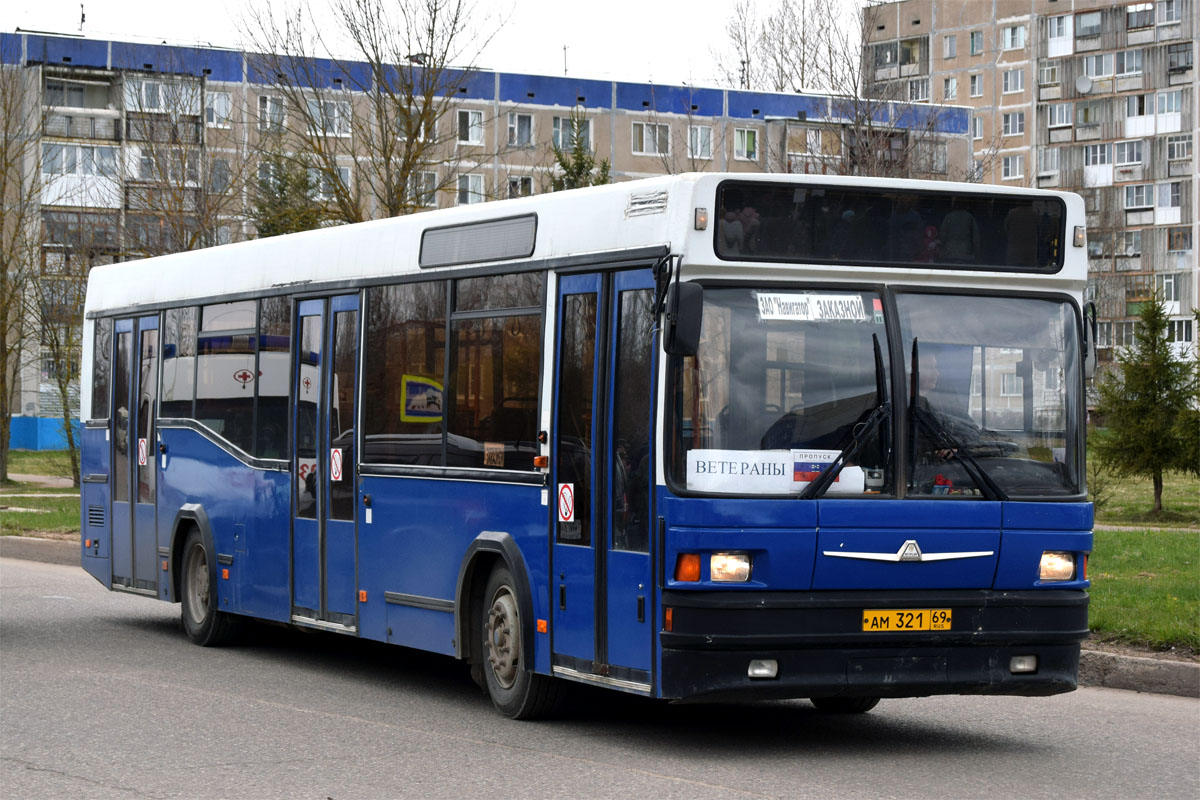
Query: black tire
point(844, 705)
point(203, 623)
point(516, 691)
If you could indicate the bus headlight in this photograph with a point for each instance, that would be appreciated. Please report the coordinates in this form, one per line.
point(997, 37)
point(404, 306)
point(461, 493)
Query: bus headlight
point(1057, 566)
point(729, 567)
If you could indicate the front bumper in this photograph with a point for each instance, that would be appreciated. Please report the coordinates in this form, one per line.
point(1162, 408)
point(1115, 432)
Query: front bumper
point(817, 641)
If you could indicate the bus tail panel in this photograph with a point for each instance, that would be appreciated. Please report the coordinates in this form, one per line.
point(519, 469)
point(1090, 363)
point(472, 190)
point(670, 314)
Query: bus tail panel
point(96, 531)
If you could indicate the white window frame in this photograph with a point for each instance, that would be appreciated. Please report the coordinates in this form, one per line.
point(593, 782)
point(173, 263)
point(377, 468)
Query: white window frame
point(976, 38)
point(1146, 9)
point(700, 141)
point(1097, 155)
point(1056, 27)
point(1165, 99)
point(976, 85)
point(1048, 74)
point(1169, 11)
point(472, 185)
point(214, 104)
point(1081, 32)
point(322, 190)
point(950, 46)
point(977, 128)
point(949, 88)
point(561, 124)
point(472, 120)
point(1179, 147)
point(1169, 195)
point(1012, 167)
point(1139, 196)
point(1013, 37)
point(1179, 331)
point(650, 139)
point(328, 117)
point(422, 188)
point(1013, 123)
point(1127, 152)
point(1124, 62)
point(272, 113)
point(1048, 160)
point(745, 144)
point(1167, 286)
point(515, 118)
point(1012, 81)
point(1131, 243)
point(1055, 114)
point(1011, 384)
point(519, 181)
point(918, 90)
point(1146, 101)
point(1098, 66)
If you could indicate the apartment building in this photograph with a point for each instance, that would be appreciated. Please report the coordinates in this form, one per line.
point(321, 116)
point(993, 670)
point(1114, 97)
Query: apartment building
point(146, 149)
point(1091, 96)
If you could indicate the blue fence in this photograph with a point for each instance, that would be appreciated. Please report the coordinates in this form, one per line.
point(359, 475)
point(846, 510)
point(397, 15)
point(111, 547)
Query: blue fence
point(40, 433)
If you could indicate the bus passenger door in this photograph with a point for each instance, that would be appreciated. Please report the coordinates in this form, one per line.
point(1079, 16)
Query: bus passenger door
point(134, 455)
point(324, 537)
point(601, 573)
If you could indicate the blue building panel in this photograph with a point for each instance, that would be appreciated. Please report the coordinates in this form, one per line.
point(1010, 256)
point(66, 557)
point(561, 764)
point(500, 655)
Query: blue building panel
point(669, 99)
point(937, 118)
point(66, 50)
point(760, 105)
point(546, 90)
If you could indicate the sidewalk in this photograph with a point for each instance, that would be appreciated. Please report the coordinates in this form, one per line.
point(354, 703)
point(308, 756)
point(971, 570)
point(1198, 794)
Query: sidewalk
point(1096, 668)
point(43, 481)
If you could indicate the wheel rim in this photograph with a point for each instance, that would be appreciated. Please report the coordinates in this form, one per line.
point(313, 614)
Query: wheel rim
point(503, 638)
point(197, 585)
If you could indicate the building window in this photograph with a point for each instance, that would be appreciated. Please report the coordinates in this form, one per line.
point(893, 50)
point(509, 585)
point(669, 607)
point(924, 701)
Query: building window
point(745, 144)
point(1139, 195)
point(1096, 155)
point(949, 46)
point(651, 139)
point(566, 132)
point(1179, 330)
point(1088, 112)
point(1139, 15)
point(217, 107)
point(886, 54)
point(65, 95)
point(1179, 56)
point(1048, 160)
point(918, 90)
point(976, 170)
point(1087, 24)
point(976, 42)
point(700, 141)
point(1058, 115)
point(1129, 62)
point(219, 175)
point(409, 121)
point(69, 159)
point(1179, 239)
point(1169, 195)
point(329, 117)
point(325, 186)
point(1166, 285)
point(470, 127)
point(1048, 74)
point(1128, 153)
point(1169, 11)
point(1011, 384)
point(1057, 28)
point(1179, 147)
point(1013, 123)
point(949, 88)
point(1099, 245)
point(1012, 80)
point(1131, 243)
point(1139, 105)
point(520, 186)
point(422, 188)
point(1014, 37)
point(271, 114)
point(977, 128)
point(520, 130)
point(1012, 167)
point(976, 85)
point(1123, 333)
point(1098, 66)
point(470, 190)
point(1170, 102)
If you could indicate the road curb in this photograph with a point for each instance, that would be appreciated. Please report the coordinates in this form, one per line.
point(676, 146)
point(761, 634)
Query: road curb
point(1110, 670)
point(1116, 671)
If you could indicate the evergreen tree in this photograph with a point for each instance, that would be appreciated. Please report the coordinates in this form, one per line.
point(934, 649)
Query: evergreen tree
point(283, 199)
point(1144, 400)
point(578, 164)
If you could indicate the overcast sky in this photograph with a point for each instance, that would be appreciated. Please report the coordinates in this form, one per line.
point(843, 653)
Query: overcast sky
point(664, 41)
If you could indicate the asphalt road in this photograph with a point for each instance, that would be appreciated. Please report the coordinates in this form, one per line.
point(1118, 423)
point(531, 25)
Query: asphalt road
point(101, 696)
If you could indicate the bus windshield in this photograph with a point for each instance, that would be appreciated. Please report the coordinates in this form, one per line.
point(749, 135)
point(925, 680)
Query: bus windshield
point(788, 382)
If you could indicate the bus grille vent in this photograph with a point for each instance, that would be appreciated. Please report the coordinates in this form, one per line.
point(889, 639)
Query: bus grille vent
point(644, 203)
point(95, 516)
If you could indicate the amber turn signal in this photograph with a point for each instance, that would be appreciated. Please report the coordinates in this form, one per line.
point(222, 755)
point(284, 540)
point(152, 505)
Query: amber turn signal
point(687, 567)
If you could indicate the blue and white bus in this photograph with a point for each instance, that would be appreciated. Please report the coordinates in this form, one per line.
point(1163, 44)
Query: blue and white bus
point(700, 436)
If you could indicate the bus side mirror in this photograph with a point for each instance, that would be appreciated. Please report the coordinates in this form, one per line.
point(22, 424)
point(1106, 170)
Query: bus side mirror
point(1089, 341)
point(684, 310)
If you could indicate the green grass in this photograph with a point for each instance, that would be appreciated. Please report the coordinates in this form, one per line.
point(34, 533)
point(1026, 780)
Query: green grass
point(1146, 588)
point(45, 514)
point(56, 463)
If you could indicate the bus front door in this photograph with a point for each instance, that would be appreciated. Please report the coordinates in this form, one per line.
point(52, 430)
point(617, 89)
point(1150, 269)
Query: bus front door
point(324, 535)
point(602, 590)
point(134, 456)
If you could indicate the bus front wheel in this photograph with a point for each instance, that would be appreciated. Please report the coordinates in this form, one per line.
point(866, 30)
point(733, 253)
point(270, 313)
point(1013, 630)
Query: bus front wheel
point(203, 623)
point(516, 691)
point(844, 705)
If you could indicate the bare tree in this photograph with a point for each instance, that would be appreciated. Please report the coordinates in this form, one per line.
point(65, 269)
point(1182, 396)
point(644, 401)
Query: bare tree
point(385, 128)
point(783, 49)
point(20, 195)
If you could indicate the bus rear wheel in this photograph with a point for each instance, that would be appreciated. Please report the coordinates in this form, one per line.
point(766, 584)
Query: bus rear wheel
point(516, 691)
point(203, 623)
point(844, 705)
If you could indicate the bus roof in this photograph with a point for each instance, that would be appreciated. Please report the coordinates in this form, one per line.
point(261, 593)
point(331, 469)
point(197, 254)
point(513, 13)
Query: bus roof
point(632, 216)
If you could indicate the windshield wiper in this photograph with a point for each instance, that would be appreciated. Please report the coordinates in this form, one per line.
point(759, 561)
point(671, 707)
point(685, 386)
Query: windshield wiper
point(942, 438)
point(862, 435)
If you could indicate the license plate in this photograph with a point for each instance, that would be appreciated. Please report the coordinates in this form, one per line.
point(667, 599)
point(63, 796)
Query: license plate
point(885, 620)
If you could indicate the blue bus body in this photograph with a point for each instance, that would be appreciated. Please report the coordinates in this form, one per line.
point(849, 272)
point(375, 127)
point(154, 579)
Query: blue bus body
point(406, 549)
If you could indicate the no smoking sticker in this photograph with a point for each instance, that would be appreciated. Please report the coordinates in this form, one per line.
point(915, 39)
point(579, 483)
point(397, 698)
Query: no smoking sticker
point(142, 453)
point(335, 464)
point(566, 502)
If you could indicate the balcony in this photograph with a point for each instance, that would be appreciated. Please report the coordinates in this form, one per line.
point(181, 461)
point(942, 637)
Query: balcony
point(101, 125)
